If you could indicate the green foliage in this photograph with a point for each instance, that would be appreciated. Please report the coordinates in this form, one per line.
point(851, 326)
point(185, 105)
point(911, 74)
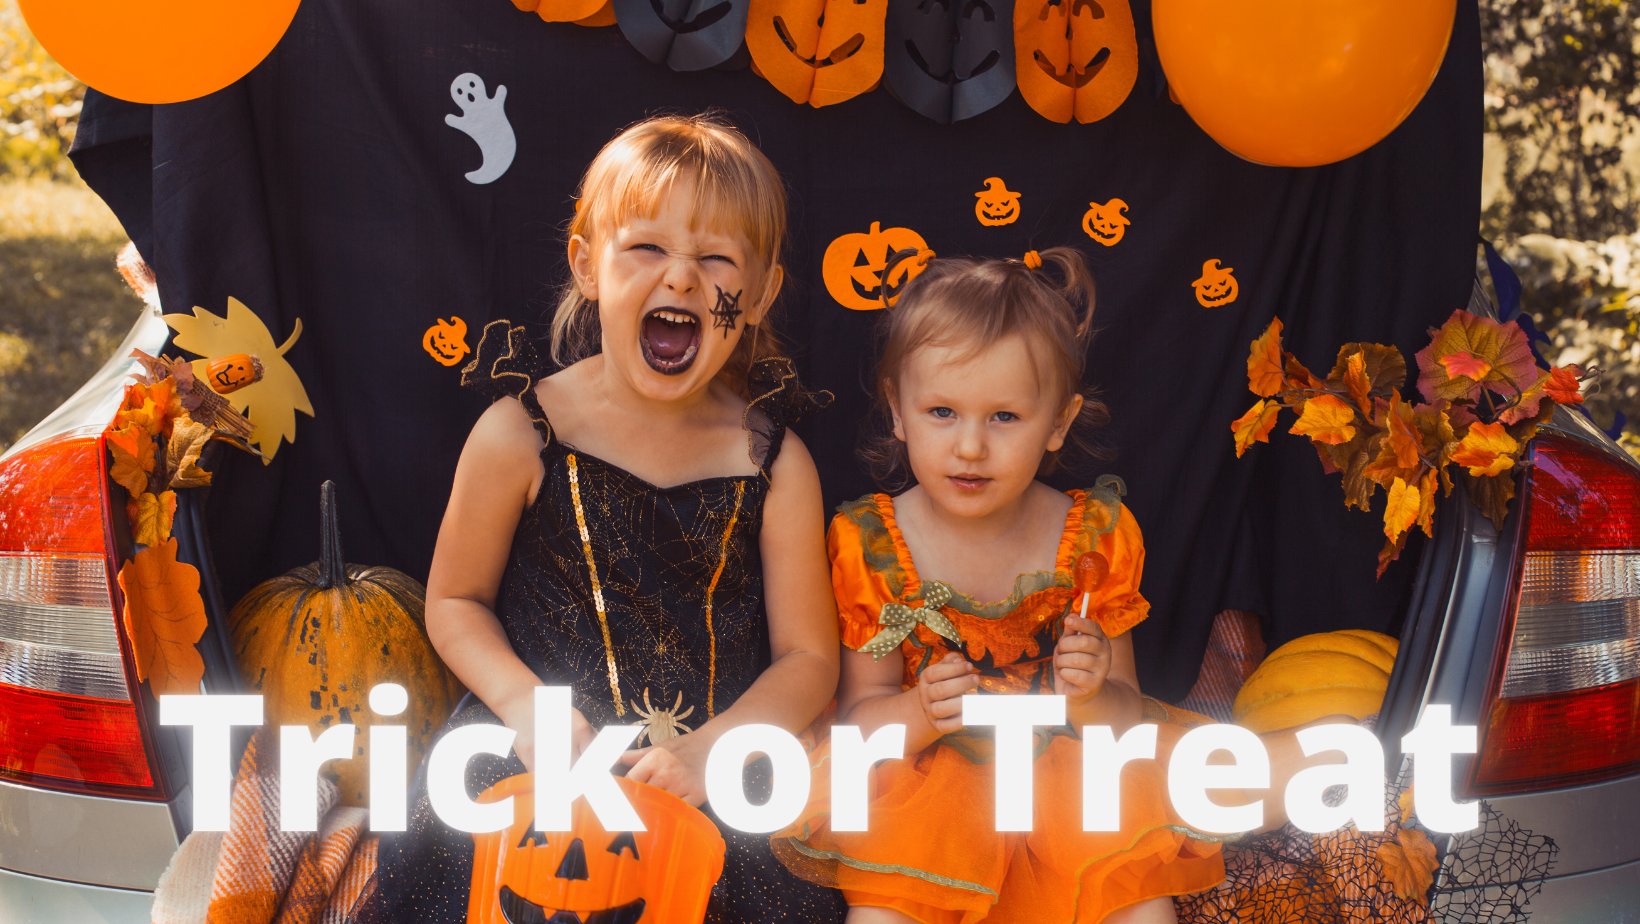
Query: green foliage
point(39, 103)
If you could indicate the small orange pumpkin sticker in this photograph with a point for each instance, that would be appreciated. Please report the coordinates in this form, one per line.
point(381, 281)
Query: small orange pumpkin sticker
point(231, 373)
point(997, 204)
point(853, 266)
point(1106, 223)
point(1216, 286)
point(446, 342)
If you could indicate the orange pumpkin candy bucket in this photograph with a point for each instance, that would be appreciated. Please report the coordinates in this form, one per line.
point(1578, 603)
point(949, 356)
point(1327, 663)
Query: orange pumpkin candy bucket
point(587, 875)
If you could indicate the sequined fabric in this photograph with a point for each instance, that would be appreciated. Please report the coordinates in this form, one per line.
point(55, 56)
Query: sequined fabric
point(619, 589)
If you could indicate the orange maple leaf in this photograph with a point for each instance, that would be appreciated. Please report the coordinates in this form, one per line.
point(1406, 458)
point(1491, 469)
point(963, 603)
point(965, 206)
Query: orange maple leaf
point(1563, 385)
point(1502, 346)
point(164, 618)
point(1409, 864)
point(1403, 439)
point(1264, 363)
point(1402, 511)
point(1465, 364)
point(1255, 425)
point(133, 450)
point(152, 524)
point(1486, 449)
point(1326, 419)
point(1426, 502)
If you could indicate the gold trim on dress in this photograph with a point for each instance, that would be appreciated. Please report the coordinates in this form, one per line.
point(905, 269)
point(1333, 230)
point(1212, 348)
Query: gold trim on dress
point(835, 856)
point(597, 589)
point(711, 635)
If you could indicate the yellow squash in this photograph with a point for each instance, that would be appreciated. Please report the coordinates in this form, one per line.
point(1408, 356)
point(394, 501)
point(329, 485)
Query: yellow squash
point(315, 640)
point(1329, 673)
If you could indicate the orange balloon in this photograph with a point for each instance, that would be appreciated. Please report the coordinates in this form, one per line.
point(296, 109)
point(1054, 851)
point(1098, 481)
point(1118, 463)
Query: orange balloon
point(158, 51)
point(1297, 83)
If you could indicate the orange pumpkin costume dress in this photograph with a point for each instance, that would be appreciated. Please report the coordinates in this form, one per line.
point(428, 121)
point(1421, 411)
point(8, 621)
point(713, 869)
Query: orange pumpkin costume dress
point(933, 851)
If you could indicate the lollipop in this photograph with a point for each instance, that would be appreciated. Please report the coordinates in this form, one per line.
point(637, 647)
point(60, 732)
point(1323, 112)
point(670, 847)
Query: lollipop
point(1090, 572)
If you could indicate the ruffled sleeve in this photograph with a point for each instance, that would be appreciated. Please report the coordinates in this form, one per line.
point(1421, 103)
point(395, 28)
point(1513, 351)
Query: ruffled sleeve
point(778, 400)
point(1116, 603)
point(858, 578)
point(507, 365)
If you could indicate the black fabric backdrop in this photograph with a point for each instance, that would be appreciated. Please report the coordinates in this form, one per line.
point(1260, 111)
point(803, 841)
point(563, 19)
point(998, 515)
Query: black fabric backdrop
point(326, 186)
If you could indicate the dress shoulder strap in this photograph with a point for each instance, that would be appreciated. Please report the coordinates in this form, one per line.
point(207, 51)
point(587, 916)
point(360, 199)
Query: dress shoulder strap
point(507, 365)
point(778, 400)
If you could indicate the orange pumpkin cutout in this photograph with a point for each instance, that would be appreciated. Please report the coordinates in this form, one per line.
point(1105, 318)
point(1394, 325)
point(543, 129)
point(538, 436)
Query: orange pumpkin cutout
point(446, 341)
point(818, 52)
point(996, 204)
point(1216, 286)
point(588, 874)
point(853, 266)
point(563, 10)
point(1075, 57)
point(231, 373)
point(1106, 223)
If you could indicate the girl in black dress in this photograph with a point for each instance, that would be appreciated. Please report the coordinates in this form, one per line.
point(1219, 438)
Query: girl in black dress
point(640, 526)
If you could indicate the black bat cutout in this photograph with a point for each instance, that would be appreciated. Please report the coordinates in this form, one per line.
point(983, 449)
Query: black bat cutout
point(949, 59)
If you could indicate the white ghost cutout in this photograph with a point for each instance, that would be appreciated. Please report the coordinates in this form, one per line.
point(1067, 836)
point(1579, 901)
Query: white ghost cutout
point(484, 121)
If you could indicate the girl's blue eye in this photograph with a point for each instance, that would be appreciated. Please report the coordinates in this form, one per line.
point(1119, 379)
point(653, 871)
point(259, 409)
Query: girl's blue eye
point(1005, 416)
point(647, 247)
point(943, 412)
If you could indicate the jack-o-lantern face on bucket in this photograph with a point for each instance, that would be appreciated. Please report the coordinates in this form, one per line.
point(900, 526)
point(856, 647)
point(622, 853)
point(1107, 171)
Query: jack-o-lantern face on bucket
point(949, 59)
point(1075, 57)
point(852, 268)
point(688, 35)
point(996, 204)
point(818, 52)
point(446, 341)
point(1216, 286)
point(1106, 223)
point(590, 875)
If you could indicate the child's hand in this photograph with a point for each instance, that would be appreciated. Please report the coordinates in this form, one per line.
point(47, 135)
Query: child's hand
point(1081, 660)
point(521, 719)
point(677, 765)
point(940, 689)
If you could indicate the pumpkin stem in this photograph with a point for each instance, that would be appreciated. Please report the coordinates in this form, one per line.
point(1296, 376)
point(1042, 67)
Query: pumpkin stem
point(332, 570)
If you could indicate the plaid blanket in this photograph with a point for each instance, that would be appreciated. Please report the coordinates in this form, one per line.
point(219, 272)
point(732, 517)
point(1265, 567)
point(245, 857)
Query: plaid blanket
point(255, 873)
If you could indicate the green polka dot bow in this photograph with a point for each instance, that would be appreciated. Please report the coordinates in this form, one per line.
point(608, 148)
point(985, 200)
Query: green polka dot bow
point(898, 620)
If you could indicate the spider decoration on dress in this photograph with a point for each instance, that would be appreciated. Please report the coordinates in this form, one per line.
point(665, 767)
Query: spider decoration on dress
point(662, 724)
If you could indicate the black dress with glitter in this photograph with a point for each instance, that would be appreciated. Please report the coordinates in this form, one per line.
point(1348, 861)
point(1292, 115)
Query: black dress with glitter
point(648, 602)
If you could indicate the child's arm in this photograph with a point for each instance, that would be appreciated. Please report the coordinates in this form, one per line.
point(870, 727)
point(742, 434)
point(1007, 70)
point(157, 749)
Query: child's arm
point(499, 472)
point(870, 696)
point(1097, 676)
point(802, 675)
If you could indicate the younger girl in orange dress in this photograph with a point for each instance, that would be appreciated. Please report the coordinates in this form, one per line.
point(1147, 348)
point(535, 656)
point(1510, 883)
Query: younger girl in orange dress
point(981, 377)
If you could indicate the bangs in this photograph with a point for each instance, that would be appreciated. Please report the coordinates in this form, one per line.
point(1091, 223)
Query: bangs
point(736, 189)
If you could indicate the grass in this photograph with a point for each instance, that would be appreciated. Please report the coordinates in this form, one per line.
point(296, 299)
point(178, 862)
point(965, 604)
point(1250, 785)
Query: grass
point(63, 306)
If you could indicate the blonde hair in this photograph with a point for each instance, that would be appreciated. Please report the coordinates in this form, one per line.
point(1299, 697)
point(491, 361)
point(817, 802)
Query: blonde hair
point(736, 189)
point(976, 302)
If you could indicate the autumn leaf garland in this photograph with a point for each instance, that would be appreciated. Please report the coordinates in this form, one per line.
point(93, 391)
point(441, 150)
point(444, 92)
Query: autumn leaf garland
point(1485, 398)
point(155, 444)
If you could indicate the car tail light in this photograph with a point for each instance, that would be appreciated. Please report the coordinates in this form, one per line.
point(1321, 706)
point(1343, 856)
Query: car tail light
point(1565, 707)
point(68, 717)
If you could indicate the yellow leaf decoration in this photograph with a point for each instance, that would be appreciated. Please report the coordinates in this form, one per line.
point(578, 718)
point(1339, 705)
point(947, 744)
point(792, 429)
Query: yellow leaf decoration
point(164, 618)
point(273, 401)
point(1402, 511)
point(1326, 419)
point(154, 514)
point(1409, 864)
point(1487, 449)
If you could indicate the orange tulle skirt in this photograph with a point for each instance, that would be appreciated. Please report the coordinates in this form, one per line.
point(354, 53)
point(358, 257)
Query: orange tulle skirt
point(933, 851)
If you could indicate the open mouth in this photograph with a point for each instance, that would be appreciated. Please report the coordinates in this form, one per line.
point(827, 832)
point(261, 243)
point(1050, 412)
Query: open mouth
point(670, 339)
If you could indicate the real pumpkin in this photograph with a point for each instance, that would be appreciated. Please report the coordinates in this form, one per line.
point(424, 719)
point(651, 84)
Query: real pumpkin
point(1329, 673)
point(313, 642)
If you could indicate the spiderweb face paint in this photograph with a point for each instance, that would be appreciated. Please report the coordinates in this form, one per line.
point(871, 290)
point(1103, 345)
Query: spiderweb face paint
point(726, 311)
